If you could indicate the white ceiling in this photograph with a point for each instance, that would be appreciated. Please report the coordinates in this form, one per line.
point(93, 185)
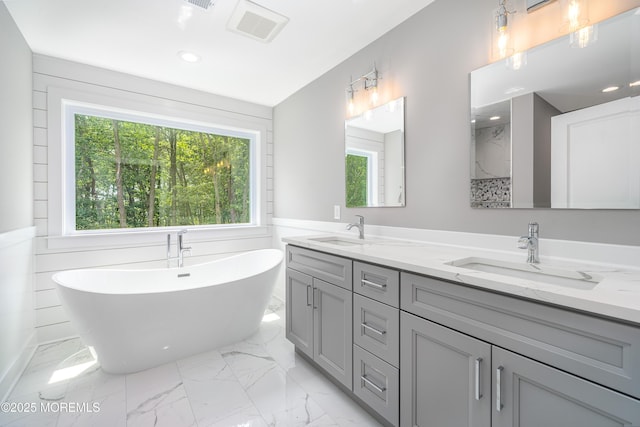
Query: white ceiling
point(143, 37)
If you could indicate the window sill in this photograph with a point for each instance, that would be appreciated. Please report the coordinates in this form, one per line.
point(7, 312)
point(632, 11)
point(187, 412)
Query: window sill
point(153, 237)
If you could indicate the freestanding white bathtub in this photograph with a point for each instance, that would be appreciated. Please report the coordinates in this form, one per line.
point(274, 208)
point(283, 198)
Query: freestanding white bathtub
point(138, 319)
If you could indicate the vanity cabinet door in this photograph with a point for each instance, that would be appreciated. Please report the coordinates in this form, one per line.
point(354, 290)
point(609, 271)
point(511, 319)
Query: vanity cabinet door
point(528, 393)
point(445, 378)
point(299, 322)
point(333, 338)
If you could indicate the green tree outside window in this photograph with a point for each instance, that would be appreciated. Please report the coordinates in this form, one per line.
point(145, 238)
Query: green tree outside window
point(136, 175)
point(357, 180)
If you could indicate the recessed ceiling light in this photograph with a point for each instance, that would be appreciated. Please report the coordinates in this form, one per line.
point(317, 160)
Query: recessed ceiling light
point(610, 89)
point(634, 84)
point(188, 56)
point(494, 118)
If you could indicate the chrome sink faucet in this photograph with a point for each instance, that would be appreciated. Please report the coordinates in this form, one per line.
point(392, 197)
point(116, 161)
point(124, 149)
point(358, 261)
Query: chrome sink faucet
point(530, 243)
point(181, 249)
point(359, 224)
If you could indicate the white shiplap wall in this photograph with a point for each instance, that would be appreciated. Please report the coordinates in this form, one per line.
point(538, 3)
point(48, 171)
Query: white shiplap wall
point(55, 74)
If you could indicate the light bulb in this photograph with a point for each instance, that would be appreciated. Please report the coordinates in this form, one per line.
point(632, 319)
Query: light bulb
point(574, 15)
point(350, 102)
point(503, 40)
point(374, 95)
point(576, 22)
point(502, 37)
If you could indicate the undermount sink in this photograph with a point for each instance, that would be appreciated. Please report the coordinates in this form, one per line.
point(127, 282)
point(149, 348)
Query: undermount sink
point(535, 272)
point(337, 240)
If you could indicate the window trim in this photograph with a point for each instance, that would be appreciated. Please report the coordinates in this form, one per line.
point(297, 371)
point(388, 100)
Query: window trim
point(61, 189)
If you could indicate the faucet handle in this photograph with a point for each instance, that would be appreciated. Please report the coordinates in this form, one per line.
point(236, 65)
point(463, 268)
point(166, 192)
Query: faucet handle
point(360, 219)
point(524, 242)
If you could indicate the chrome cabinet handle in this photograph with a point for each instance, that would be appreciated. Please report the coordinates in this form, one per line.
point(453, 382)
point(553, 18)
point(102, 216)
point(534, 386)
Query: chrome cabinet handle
point(372, 284)
point(499, 405)
point(372, 384)
point(478, 394)
point(308, 289)
point(372, 329)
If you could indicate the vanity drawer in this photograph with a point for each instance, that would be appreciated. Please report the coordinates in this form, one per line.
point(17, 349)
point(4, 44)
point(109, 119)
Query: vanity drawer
point(377, 383)
point(376, 328)
point(330, 268)
point(601, 350)
point(379, 283)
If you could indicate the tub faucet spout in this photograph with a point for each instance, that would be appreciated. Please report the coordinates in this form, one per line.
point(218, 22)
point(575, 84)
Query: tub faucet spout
point(182, 250)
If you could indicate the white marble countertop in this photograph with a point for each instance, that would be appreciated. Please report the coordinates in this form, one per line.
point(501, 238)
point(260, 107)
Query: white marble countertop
point(617, 295)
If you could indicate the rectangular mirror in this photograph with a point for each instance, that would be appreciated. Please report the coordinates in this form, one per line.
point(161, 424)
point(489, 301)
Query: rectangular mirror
point(374, 157)
point(560, 126)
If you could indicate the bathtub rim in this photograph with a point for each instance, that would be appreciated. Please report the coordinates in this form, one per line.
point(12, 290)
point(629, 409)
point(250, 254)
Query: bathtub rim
point(58, 280)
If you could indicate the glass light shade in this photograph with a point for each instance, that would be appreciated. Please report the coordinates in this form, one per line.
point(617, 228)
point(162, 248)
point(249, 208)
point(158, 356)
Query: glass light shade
point(584, 37)
point(502, 39)
point(517, 60)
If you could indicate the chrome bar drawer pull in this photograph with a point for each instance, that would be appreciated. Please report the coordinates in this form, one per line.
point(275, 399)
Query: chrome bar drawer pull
point(499, 404)
point(372, 384)
point(478, 394)
point(308, 289)
point(373, 284)
point(372, 329)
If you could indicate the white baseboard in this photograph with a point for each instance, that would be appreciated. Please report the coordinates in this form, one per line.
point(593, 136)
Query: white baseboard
point(14, 372)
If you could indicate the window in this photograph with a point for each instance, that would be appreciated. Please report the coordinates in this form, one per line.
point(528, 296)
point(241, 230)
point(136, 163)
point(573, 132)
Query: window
point(361, 178)
point(136, 171)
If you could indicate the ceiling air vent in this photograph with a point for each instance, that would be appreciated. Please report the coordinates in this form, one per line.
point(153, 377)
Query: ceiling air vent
point(205, 4)
point(255, 21)
point(536, 4)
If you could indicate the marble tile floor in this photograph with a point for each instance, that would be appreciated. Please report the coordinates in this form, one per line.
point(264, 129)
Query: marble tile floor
point(256, 382)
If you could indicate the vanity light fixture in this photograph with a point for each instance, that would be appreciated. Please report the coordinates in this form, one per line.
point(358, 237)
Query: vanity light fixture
point(503, 40)
point(610, 89)
point(369, 82)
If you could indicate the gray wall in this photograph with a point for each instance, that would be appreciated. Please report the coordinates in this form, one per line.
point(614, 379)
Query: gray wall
point(427, 59)
point(16, 176)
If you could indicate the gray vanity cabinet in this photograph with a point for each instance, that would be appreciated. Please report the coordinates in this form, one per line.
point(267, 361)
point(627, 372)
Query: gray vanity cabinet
point(463, 333)
point(445, 376)
point(376, 338)
point(528, 393)
point(332, 339)
point(299, 321)
point(320, 310)
point(435, 353)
